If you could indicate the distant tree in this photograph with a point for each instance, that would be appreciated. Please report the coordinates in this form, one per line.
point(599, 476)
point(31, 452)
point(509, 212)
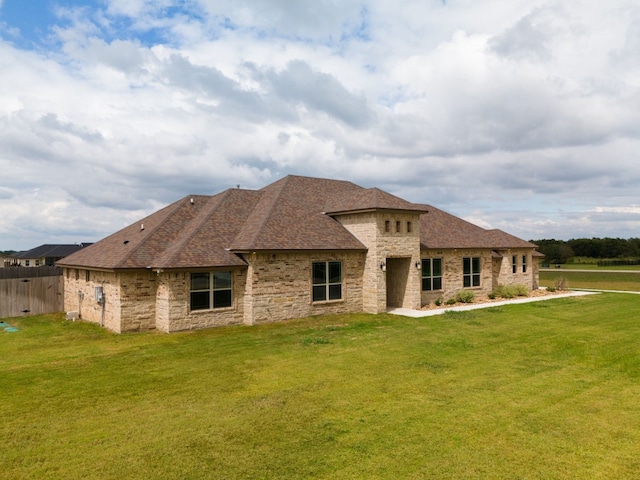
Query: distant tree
point(614, 248)
point(586, 247)
point(600, 248)
point(555, 251)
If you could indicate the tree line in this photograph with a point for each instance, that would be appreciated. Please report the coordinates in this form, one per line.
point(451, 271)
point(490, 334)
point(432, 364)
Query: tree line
point(560, 251)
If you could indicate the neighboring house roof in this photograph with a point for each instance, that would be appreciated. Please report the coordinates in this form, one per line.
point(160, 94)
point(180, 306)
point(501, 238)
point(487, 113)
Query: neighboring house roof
point(293, 213)
point(51, 251)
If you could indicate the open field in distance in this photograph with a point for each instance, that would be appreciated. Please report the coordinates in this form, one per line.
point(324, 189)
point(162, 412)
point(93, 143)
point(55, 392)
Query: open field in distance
point(597, 279)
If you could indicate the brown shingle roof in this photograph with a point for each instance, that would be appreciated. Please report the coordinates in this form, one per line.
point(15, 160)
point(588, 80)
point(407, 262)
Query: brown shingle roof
point(290, 214)
point(286, 215)
point(182, 235)
point(439, 229)
point(368, 199)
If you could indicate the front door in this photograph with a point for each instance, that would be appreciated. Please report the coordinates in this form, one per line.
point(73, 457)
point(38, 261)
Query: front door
point(397, 279)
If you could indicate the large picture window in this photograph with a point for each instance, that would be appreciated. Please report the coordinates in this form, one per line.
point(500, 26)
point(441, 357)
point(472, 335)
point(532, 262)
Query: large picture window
point(431, 274)
point(211, 290)
point(471, 272)
point(327, 281)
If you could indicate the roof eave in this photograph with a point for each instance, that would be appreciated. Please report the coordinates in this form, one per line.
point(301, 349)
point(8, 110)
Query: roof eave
point(374, 209)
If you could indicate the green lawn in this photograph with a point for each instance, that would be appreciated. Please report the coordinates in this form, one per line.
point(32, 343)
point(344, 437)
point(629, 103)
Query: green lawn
point(547, 390)
point(620, 280)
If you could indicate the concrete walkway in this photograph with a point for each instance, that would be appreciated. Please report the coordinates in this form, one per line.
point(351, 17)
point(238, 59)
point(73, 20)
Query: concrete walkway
point(408, 312)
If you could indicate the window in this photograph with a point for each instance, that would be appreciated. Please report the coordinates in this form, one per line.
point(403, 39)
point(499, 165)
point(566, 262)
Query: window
point(327, 281)
point(471, 271)
point(37, 262)
point(26, 263)
point(524, 264)
point(409, 227)
point(387, 226)
point(87, 275)
point(514, 264)
point(431, 274)
point(211, 290)
point(398, 228)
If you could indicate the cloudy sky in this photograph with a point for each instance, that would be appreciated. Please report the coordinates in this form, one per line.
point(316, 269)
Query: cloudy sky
point(522, 115)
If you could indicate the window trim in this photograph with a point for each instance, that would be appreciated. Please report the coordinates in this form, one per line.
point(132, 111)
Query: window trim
point(328, 291)
point(431, 278)
point(211, 289)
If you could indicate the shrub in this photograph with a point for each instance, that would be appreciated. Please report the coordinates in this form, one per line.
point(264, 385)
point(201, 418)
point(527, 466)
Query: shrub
point(451, 301)
point(521, 290)
point(509, 291)
point(503, 291)
point(561, 283)
point(438, 301)
point(465, 296)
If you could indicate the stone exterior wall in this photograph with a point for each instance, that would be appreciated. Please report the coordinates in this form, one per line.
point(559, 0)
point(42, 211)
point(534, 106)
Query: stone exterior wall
point(506, 276)
point(79, 296)
point(137, 300)
point(535, 272)
point(279, 285)
point(392, 240)
point(173, 299)
point(452, 274)
point(493, 271)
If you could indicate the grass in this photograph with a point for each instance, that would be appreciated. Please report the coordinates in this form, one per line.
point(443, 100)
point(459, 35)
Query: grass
point(541, 390)
point(627, 281)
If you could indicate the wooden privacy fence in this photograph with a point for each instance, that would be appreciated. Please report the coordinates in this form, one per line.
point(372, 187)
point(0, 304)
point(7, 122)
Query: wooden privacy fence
point(30, 291)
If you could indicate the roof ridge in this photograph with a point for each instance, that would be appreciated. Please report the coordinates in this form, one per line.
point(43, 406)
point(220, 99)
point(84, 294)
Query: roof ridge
point(285, 181)
point(176, 206)
point(199, 220)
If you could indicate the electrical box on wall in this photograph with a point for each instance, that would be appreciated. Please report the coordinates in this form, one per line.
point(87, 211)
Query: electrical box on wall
point(99, 294)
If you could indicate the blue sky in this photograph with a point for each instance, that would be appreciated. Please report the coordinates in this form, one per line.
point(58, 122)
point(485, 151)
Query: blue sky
point(521, 115)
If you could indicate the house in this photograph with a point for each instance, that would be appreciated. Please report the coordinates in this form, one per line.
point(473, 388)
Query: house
point(45, 255)
point(5, 261)
point(298, 247)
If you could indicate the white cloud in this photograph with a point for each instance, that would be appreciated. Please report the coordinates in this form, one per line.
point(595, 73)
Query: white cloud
point(519, 115)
